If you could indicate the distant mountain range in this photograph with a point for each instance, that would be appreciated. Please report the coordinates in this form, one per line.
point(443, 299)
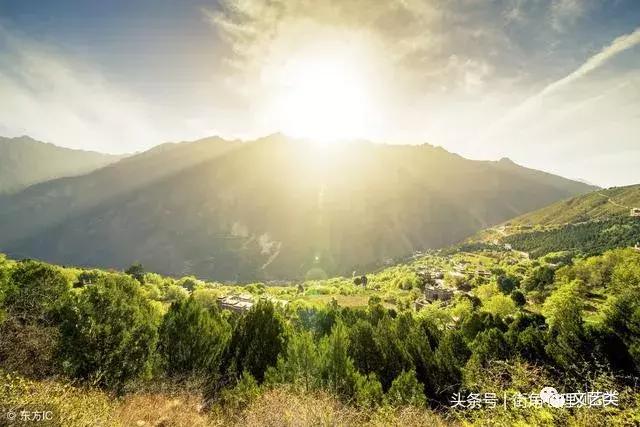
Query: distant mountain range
point(25, 161)
point(269, 209)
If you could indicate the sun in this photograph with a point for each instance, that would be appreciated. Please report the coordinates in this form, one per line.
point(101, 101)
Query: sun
point(324, 99)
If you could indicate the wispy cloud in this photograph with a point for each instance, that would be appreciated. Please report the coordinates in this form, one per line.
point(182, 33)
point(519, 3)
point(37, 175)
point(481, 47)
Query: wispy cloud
point(616, 47)
point(619, 45)
point(50, 96)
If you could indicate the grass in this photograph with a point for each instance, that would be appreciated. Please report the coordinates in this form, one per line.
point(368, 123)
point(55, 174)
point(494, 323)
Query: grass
point(168, 405)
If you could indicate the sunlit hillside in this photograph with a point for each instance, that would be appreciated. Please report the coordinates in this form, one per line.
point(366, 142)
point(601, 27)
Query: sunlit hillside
point(598, 205)
point(584, 225)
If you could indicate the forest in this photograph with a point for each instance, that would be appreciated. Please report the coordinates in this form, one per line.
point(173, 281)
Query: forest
point(589, 238)
point(116, 336)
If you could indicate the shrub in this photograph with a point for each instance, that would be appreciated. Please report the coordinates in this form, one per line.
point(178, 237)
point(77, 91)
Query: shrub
point(108, 332)
point(518, 298)
point(406, 390)
point(368, 391)
point(257, 340)
point(337, 370)
point(36, 291)
point(239, 397)
point(192, 339)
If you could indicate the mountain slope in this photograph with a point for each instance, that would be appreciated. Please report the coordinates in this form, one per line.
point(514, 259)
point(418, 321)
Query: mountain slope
point(273, 208)
point(588, 224)
point(25, 161)
point(31, 211)
point(598, 205)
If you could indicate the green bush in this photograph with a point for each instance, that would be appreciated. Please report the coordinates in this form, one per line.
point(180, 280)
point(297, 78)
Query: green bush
point(109, 332)
point(406, 390)
point(36, 291)
point(258, 338)
point(368, 391)
point(192, 338)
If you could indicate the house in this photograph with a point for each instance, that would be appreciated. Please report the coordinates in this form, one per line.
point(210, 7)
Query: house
point(635, 212)
point(245, 297)
point(483, 273)
point(236, 303)
point(433, 293)
point(275, 301)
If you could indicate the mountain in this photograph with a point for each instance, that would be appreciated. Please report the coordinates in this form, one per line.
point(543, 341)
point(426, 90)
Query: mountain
point(597, 205)
point(271, 208)
point(25, 161)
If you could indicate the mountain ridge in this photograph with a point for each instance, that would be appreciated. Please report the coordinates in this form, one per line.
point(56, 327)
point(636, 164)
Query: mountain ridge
point(25, 161)
point(275, 207)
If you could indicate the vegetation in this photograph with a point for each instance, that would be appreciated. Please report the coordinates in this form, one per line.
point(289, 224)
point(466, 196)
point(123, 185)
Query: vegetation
point(589, 238)
point(124, 349)
point(599, 205)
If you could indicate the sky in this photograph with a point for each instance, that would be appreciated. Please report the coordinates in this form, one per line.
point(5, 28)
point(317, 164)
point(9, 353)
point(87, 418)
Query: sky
point(551, 84)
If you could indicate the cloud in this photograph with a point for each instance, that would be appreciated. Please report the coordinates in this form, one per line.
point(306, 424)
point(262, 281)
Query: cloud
point(50, 96)
point(596, 61)
point(619, 45)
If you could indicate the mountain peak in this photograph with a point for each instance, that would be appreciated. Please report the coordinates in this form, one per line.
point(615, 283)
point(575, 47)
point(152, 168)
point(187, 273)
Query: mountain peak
point(507, 161)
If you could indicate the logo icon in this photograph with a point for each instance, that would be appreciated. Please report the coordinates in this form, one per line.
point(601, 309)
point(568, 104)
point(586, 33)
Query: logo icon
point(550, 396)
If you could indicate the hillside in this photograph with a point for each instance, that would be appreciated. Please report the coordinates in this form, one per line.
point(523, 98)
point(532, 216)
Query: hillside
point(588, 224)
point(598, 205)
point(272, 208)
point(25, 161)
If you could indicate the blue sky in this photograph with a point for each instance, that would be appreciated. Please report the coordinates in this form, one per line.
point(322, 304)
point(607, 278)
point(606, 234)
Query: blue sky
point(553, 84)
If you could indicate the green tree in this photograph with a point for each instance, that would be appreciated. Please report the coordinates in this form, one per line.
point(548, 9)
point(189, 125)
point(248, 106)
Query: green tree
point(109, 332)
point(301, 364)
point(623, 318)
point(244, 391)
point(36, 291)
point(395, 357)
point(526, 337)
point(192, 338)
point(363, 348)
point(190, 283)
point(540, 279)
point(136, 271)
point(566, 336)
point(507, 283)
point(489, 345)
point(368, 391)
point(338, 372)
point(406, 390)
point(258, 338)
point(451, 355)
point(518, 298)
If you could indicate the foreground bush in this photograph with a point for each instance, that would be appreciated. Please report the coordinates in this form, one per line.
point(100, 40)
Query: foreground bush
point(192, 338)
point(108, 332)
